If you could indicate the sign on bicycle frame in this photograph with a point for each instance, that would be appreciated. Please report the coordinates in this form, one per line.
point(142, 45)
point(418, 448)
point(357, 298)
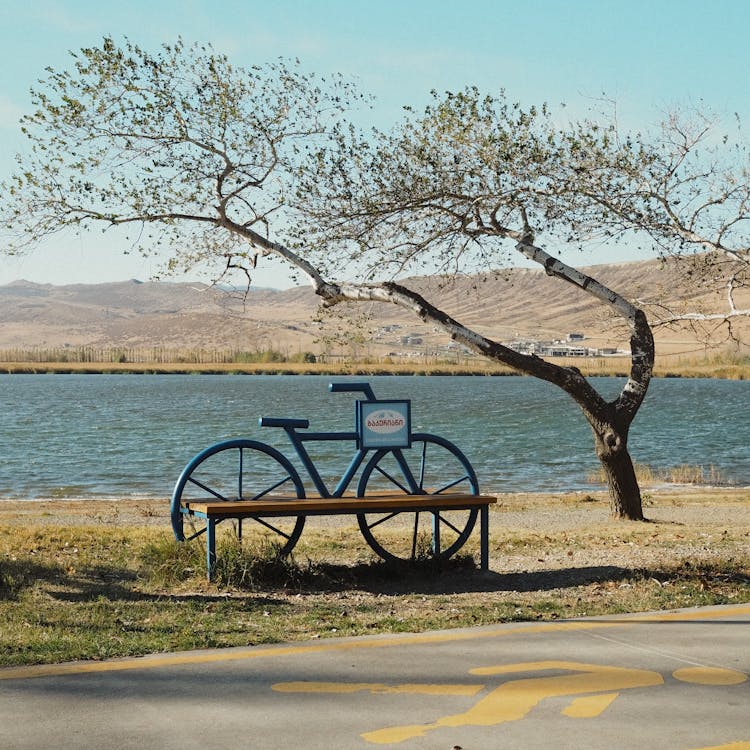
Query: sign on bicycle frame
point(384, 424)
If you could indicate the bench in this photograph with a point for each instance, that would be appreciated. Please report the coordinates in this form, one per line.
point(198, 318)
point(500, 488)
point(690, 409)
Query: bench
point(397, 471)
point(215, 512)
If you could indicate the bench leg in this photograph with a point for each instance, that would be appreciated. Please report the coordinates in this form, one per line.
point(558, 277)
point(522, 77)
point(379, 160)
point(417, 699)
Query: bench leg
point(484, 537)
point(210, 547)
point(436, 533)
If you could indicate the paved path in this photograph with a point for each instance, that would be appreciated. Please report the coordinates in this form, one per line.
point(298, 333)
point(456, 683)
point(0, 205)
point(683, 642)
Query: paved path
point(673, 681)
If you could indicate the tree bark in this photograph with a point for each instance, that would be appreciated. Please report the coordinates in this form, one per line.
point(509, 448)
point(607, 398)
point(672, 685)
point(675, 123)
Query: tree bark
point(610, 424)
point(611, 445)
point(624, 492)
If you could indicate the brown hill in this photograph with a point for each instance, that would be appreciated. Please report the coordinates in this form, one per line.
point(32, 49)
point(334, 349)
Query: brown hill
point(509, 305)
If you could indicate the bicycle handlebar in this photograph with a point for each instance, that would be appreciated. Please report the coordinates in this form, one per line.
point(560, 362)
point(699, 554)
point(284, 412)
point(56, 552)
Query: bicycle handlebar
point(350, 387)
point(302, 424)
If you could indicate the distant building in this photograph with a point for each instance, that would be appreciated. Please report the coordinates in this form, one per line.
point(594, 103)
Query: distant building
point(563, 350)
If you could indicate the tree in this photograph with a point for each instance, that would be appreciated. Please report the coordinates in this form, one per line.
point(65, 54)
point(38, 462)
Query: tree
point(222, 165)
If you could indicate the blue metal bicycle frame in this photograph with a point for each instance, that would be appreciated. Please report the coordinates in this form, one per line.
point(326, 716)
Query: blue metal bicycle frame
point(298, 440)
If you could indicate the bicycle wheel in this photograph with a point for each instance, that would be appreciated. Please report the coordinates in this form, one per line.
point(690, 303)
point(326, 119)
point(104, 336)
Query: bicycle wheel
point(241, 470)
point(432, 466)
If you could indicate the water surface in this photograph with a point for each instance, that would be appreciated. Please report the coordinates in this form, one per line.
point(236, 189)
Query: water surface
point(131, 435)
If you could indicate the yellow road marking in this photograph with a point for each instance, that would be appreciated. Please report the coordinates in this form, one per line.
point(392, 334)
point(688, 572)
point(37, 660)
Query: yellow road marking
point(589, 706)
point(514, 699)
point(709, 676)
point(592, 688)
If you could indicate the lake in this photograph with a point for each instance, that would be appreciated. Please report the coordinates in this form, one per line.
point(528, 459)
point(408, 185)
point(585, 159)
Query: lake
point(131, 435)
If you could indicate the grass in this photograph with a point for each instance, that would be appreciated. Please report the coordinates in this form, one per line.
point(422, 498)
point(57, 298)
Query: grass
point(98, 585)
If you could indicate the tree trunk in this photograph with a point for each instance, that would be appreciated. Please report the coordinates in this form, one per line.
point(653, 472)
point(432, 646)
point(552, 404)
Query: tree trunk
point(610, 421)
point(624, 493)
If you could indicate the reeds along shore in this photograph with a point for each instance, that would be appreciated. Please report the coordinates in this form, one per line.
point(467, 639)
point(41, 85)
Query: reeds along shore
point(609, 366)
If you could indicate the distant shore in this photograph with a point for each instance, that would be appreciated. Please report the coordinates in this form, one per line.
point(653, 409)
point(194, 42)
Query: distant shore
point(612, 367)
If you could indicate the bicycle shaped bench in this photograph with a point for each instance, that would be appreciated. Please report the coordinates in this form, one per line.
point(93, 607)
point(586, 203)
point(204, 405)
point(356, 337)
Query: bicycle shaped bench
point(421, 477)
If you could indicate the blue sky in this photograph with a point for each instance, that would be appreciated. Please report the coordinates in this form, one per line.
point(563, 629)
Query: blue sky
point(648, 56)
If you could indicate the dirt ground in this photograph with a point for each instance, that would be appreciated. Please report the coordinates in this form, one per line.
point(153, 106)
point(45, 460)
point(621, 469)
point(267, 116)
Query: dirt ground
point(528, 532)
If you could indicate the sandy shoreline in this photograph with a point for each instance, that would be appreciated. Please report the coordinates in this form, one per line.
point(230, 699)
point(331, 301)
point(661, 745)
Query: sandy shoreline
point(670, 504)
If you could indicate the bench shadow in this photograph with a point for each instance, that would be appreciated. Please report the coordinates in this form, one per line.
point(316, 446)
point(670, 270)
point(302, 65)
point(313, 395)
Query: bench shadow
point(445, 578)
point(430, 577)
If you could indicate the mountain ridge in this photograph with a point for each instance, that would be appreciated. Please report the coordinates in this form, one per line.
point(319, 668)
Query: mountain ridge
point(507, 304)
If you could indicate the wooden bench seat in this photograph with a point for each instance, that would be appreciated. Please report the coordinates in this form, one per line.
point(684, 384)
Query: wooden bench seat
point(272, 505)
point(279, 506)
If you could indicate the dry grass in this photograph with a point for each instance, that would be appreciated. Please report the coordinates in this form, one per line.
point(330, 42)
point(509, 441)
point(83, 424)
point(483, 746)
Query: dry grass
point(100, 579)
point(589, 366)
point(683, 474)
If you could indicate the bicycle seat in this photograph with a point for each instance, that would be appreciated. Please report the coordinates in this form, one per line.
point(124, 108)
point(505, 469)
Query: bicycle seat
point(286, 423)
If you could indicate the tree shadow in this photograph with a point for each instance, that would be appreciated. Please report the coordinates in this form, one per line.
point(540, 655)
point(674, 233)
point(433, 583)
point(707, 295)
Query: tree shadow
point(93, 583)
point(117, 585)
point(18, 575)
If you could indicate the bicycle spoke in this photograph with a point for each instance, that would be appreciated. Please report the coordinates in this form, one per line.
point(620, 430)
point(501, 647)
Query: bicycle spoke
point(442, 519)
point(263, 493)
point(383, 519)
point(449, 485)
point(239, 477)
point(273, 528)
point(206, 488)
point(392, 479)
